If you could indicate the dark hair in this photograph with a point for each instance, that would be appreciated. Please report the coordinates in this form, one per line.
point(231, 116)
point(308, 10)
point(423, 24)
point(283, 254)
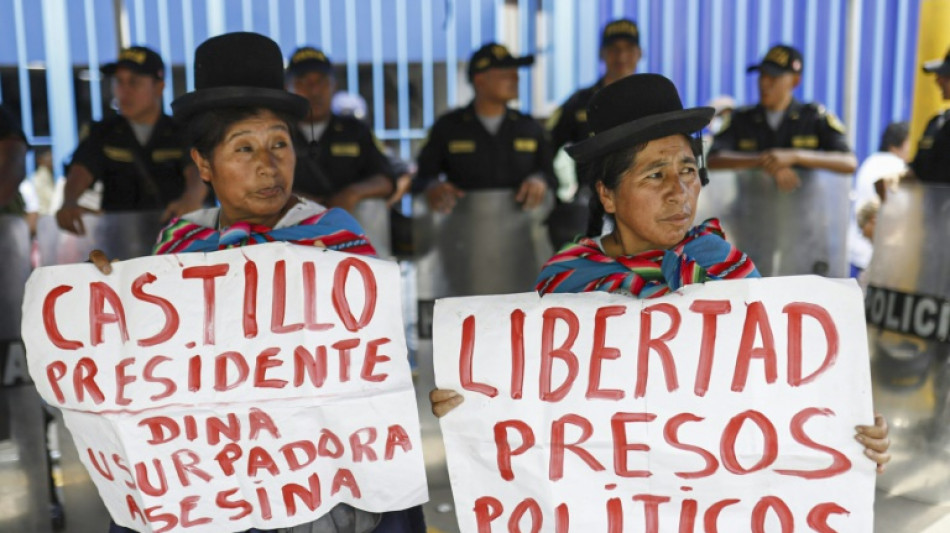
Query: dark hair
point(894, 136)
point(608, 170)
point(206, 129)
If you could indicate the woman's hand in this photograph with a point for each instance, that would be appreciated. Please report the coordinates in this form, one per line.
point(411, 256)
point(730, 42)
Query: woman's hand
point(875, 441)
point(443, 401)
point(102, 262)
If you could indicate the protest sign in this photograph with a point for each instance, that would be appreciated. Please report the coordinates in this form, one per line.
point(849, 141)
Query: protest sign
point(253, 387)
point(729, 406)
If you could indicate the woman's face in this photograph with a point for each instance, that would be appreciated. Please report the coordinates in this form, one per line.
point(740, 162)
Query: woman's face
point(654, 203)
point(251, 170)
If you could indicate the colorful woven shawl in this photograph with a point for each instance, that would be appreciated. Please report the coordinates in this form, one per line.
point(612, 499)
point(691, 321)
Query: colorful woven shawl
point(333, 229)
point(702, 255)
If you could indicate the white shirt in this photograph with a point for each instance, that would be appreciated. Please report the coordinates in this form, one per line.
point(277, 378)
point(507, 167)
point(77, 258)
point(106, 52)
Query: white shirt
point(875, 167)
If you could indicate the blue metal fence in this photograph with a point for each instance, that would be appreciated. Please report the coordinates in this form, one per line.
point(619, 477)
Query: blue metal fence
point(859, 54)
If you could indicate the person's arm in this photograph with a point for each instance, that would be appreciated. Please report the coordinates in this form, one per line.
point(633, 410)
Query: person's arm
point(191, 199)
point(69, 216)
point(725, 159)
point(376, 186)
point(440, 195)
point(723, 154)
point(535, 186)
point(778, 158)
point(841, 162)
point(12, 167)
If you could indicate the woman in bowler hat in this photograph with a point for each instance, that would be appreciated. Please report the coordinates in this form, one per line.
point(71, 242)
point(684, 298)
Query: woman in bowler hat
point(239, 121)
point(645, 167)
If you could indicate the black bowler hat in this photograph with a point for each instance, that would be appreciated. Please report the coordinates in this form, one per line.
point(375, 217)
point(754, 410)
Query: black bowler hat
point(138, 59)
point(779, 60)
point(620, 29)
point(938, 66)
point(239, 69)
point(494, 55)
point(308, 59)
point(635, 110)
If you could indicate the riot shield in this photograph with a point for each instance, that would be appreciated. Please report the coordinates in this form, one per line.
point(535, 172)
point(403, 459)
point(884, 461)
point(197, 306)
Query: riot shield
point(373, 216)
point(908, 313)
point(785, 233)
point(119, 235)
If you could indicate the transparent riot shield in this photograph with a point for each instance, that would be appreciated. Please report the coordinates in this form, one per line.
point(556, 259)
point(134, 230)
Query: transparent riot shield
point(785, 233)
point(373, 216)
point(908, 312)
point(119, 235)
point(488, 244)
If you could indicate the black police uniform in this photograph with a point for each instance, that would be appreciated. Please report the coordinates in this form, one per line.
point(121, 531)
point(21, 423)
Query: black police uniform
point(135, 177)
point(9, 128)
point(472, 158)
point(569, 125)
point(932, 162)
point(346, 153)
point(808, 126)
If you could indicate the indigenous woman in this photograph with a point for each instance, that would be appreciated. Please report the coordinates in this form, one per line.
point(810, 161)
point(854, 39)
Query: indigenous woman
point(645, 168)
point(239, 121)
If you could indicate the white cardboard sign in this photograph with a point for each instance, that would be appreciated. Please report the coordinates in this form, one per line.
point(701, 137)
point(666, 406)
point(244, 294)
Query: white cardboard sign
point(253, 387)
point(729, 406)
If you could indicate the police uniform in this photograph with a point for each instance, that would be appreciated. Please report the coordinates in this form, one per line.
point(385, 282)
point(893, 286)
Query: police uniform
point(346, 153)
point(809, 126)
point(568, 124)
point(10, 129)
point(932, 162)
point(135, 177)
point(806, 126)
point(472, 158)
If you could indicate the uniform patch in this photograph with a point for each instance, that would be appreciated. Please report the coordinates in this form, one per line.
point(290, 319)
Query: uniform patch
point(833, 122)
point(926, 143)
point(805, 141)
point(526, 145)
point(118, 154)
point(581, 115)
point(345, 150)
point(167, 154)
point(553, 119)
point(748, 144)
point(461, 147)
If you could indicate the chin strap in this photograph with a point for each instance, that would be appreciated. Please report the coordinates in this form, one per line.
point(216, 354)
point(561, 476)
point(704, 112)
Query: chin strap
point(701, 158)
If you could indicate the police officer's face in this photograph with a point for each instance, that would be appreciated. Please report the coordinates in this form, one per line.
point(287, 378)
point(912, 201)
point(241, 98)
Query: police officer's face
point(497, 84)
point(621, 58)
point(944, 83)
point(775, 91)
point(138, 96)
point(251, 170)
point(318, 89)
point(654, 202)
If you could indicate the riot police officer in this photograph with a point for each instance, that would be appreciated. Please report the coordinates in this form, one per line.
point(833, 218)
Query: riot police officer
point(932, 162)
point(620, 52)
point(487, 145)
point(780, 132)
point(12, 163)
point(339, 162)
point(138, 156)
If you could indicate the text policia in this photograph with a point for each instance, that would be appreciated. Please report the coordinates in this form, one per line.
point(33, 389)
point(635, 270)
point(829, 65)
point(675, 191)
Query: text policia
point(226, 370)
point(520, 447)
